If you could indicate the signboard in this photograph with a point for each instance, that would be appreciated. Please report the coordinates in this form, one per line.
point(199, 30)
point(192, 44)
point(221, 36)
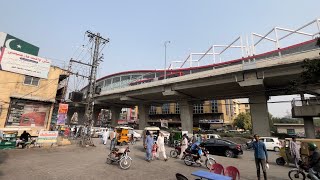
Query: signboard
point(62, 114)
point(22, 63)
point(164, 123)
point(11, 42)
point(47, 136)
point(61, 120)
point(63, 108)
point(28, 113)
point(211, 121)
point(74, 118)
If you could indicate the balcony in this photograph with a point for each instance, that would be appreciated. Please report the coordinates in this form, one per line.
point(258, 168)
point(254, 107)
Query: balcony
point(306, 108)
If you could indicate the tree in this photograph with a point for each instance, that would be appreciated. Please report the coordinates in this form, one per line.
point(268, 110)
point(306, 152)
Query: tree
point(243, 121)
point(309, 76)
point(311, 73)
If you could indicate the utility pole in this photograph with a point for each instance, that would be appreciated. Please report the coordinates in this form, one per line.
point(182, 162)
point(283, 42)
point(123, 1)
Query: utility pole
point(91, 88)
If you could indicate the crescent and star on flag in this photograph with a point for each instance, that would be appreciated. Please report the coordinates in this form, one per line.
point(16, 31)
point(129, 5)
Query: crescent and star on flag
point(8, 44)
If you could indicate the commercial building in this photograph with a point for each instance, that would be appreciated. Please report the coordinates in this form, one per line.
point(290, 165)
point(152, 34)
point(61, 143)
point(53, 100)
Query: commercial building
point(290, 129)
point(30, 87)
point(212, 114)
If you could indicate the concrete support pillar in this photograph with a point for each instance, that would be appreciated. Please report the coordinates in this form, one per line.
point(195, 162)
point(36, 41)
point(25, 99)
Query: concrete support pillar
point(308, 122)
point(259, 115)
point(186, 116)
point(115, 115)
point(309, 127)
point(143, 110)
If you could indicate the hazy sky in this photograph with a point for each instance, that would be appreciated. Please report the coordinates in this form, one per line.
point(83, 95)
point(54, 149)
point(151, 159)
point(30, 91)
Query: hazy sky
point(137, 29)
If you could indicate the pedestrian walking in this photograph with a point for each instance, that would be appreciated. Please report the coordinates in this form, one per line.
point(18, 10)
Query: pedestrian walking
point(161, 148)
point(261, 156)
point(113, 139)
point(294, 151)
point(105, 136)
point(184, 145)
point(148, 145)
point(154, 150)
point(75, 131)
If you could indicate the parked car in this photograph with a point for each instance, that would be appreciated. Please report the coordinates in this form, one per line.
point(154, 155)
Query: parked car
point(272, 143)
point(213, 136)
point(136, 135)
point(223, 147)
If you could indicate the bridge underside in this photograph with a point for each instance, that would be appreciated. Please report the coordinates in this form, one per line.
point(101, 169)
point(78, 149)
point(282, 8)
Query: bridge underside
point(228, 86)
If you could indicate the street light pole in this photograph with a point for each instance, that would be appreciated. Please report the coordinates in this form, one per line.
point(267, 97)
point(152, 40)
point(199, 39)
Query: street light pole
point(165, 58)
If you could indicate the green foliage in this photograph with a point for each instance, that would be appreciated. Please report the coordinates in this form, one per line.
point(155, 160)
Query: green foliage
point(243, 121)
point(311, 73)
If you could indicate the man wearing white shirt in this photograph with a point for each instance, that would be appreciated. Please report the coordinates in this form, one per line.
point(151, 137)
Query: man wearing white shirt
point(184, 145)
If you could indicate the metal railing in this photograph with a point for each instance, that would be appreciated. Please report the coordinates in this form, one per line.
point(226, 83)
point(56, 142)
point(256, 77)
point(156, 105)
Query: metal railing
point(307, 102)
point(247, 52)
point(250, 49)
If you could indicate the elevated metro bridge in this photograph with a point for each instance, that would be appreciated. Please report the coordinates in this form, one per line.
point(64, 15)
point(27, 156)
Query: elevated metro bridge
point(256, 77)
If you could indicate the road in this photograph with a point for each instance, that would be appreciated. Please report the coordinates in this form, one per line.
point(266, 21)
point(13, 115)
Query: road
point(75, 163)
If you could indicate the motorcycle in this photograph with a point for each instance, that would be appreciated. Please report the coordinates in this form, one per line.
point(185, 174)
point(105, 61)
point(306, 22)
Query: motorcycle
point(191, 158)
point(120, 156)
point(300, 173)
point(177, 151)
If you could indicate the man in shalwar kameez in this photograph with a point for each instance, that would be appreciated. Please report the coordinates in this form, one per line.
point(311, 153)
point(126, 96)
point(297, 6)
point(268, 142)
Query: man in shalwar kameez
point(148, 145)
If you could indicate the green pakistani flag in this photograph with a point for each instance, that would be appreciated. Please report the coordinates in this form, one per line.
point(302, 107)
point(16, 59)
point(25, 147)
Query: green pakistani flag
point(17, 44)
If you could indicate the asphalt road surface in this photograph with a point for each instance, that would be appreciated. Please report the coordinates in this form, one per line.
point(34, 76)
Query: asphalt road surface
point(76, 163)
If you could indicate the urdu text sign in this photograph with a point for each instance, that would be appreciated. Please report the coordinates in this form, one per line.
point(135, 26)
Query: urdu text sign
point(47, 136)
point(22, 63)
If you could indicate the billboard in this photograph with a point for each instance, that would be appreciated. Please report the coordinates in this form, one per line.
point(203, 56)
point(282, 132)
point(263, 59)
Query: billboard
point(11, 42)
point(26, 113)
point(22, 63)
point(62, 114)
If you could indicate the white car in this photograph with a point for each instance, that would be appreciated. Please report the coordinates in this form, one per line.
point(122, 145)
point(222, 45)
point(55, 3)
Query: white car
point(136, 135)
point(272, 143)
point(213, 136)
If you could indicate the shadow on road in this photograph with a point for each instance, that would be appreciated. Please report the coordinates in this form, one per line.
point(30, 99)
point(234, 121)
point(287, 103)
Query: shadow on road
point(3, 157)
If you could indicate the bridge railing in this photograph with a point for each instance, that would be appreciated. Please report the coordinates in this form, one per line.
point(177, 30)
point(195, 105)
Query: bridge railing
point(250, 49)
point(307, 102)
point(276, 39)
point(248, 52)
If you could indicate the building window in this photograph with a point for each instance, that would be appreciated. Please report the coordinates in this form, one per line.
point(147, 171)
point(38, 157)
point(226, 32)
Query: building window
point(153, 110)
point(29, 80)
point(291, 132)
point(197, 108)
point(227, 107)
point(177, 108)
point(214, 106)
point(231, 107)
point(165, 109)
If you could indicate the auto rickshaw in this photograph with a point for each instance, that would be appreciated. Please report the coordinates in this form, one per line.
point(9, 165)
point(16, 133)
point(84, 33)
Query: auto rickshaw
point(285, 155)
point(152, 129)
point(122, 135)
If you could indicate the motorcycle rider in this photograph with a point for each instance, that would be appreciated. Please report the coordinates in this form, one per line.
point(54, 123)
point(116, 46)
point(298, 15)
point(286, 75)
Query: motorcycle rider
point(196, 149)
point(314, 163)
